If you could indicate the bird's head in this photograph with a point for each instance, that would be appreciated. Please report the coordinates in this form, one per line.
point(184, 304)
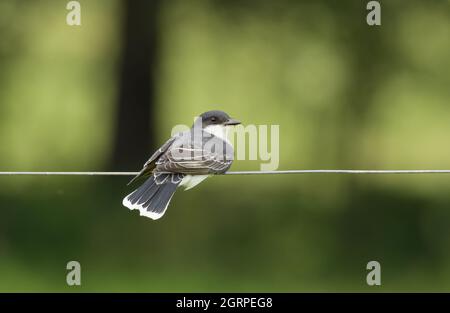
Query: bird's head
point(215, 118)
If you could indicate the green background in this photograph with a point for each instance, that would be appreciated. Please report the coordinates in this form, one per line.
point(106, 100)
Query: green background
point(346, 95)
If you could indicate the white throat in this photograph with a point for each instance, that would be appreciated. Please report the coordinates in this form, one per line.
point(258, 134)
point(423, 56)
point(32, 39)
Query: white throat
point(220, 131)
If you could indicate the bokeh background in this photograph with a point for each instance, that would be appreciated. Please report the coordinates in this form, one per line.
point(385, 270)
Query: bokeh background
point(104, 95)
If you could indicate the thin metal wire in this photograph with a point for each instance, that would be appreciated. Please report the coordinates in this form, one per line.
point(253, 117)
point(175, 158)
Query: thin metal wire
point(244, 172)
point(342, 172)
point(73, 173)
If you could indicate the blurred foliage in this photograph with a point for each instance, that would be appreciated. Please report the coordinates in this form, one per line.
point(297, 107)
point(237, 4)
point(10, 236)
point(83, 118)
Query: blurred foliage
point(345, 95)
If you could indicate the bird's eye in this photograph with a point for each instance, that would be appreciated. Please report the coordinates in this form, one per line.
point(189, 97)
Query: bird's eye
point(213, 119)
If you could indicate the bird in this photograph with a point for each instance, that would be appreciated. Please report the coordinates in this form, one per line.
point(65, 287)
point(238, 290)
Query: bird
point(185, 160)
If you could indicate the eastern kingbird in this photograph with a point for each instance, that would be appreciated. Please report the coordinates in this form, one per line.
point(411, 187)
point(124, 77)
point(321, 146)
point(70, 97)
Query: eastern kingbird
point(186, 160)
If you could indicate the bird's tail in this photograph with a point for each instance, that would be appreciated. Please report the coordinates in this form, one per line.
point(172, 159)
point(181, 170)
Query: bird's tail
point(153, 196)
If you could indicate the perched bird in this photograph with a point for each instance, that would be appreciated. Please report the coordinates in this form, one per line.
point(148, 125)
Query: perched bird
point(186, 160)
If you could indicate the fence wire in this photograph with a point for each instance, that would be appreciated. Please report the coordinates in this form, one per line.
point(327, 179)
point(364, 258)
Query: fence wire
point(324, 171)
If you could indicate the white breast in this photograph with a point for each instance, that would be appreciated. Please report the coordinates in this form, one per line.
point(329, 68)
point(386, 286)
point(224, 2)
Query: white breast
point(219, 131)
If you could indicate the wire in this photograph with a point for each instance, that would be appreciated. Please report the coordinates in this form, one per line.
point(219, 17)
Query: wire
point(242, 172)
point(341, 172)
point(73, 173)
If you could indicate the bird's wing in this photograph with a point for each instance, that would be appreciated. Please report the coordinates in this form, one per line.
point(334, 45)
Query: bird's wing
point(209, 155)
point(151, 163)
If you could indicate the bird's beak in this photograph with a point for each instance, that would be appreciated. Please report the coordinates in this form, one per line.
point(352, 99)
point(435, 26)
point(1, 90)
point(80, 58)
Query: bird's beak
point(232, 121)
